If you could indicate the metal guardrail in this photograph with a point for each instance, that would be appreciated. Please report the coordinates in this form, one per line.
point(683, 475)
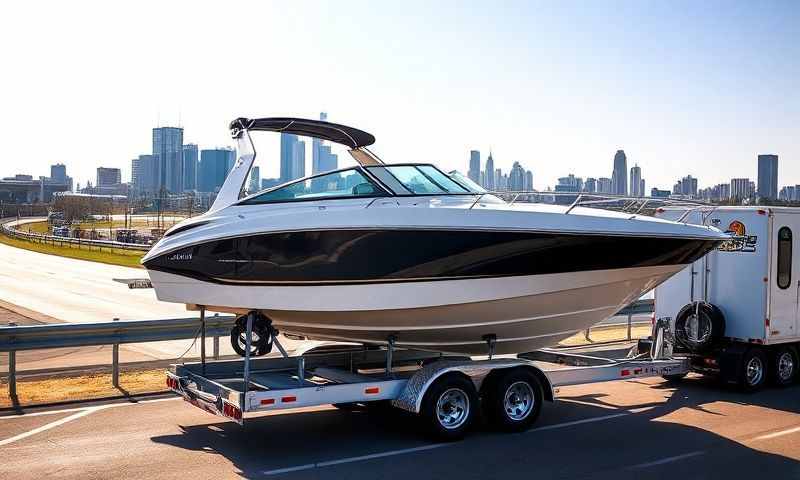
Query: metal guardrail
point(33, 337)
point(9, 230)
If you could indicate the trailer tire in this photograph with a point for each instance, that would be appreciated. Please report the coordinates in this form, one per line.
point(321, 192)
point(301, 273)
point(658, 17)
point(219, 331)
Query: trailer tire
point(262, 343)
point(783, 366)
point(753, 370)
point(449, 406)
point(513, 400)
point(675, 377)
point(709, 328)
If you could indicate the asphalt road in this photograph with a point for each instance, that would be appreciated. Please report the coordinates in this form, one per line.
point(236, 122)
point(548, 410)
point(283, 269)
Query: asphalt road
point(634, 429)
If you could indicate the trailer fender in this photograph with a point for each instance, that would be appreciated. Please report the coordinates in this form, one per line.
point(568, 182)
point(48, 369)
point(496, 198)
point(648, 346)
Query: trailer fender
point(410, 399)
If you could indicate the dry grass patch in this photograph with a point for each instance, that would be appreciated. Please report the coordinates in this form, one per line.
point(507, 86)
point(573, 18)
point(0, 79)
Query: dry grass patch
point(607, 334)
point(125, 258)
point(84, 387)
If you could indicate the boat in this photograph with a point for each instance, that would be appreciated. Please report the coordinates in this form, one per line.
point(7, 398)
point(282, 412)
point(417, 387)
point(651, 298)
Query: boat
point(409, 255)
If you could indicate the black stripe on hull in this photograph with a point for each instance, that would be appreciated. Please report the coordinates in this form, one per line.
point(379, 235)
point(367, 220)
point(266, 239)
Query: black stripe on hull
point(337, 257)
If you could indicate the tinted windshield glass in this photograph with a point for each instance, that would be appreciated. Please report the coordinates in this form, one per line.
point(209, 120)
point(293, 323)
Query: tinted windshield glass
point(441, 179)
point(466, 182)
point(347, 183)
point(418, 179)
point(414, 180)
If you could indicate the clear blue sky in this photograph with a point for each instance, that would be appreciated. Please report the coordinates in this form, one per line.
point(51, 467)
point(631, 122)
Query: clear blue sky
point(684, 87)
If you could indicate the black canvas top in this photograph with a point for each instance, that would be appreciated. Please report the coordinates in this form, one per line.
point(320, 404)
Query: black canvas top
point(352, 137)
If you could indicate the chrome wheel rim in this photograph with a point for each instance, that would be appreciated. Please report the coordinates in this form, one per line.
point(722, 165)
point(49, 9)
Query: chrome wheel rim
point(253, 341)
point(452, 408)
point(697, 330)
point(518, 401)
point(755, 371)
point(785, 366)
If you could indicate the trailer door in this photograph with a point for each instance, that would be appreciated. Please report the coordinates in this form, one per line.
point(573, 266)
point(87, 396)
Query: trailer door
point(785, 284)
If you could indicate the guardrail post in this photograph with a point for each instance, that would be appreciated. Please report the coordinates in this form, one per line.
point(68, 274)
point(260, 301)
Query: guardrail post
point(12, 371)
point(630, 316)
point(216, 342)
point(203, 339)
point(115, 363)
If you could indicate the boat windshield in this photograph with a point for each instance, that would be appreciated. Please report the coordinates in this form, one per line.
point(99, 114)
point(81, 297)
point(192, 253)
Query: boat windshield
point(340, 184)
point(417, 180)
point(466, 181)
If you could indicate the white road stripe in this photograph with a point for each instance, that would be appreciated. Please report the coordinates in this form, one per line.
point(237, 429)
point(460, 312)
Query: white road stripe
point(48, 426)
point(403, 451)
point(79, 409)
point(778, 434)
point(666, 460)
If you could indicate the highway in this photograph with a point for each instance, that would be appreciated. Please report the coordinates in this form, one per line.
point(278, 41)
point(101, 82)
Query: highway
point(634, 429)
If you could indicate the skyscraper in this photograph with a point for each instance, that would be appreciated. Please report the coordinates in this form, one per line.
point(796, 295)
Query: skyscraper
point(108, 176)
point(190, 161)
point(293, 157)
point(168, 153)
point(214, 167)
point(58, 173)
point(144, 174)
point(322, 160)
point(619, 177)
point(767, 176)
point(516, 179)
point(636, 182)
point(490, 173)
point(529, 181)
point(590, 185)
point(741, 188)
point(474, 173)
point(605, 185)
point(255, 180)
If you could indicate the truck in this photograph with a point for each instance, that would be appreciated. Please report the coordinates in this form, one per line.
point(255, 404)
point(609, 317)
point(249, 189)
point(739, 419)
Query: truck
point(735, 310)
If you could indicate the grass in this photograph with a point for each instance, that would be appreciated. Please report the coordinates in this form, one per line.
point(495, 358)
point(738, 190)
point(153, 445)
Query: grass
point(125, 258)
point(609, 333)
point(84, 388)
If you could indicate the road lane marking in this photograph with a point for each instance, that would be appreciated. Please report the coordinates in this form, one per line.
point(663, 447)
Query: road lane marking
point(330, 463)
point(78, 409)
point(778, 434)
point(665, 460)
point(48, 426)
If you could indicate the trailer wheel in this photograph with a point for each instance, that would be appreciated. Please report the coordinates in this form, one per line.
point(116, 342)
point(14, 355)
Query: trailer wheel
point(753, 370)
point(699, 326)
point(783, 370)
point(448, 407)
point(261, 343)
point(513, 400)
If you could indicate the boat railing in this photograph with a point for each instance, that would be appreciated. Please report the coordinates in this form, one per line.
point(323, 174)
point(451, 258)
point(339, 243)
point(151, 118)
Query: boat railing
point(619, 203)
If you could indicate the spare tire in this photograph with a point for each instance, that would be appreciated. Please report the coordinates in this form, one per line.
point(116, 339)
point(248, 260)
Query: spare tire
point(699, 326)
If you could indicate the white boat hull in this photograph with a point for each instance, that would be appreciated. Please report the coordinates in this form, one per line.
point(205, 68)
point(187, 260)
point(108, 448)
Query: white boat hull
point(523, 312)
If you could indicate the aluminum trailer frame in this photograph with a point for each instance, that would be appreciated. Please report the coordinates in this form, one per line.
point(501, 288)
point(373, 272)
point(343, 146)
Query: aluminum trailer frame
point(363, 374)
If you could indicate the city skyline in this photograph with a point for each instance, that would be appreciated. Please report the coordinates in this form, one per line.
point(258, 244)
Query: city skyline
point(555, 88)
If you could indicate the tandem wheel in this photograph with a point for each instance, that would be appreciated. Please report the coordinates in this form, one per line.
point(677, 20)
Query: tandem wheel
point(512, 399)
point(449, 406)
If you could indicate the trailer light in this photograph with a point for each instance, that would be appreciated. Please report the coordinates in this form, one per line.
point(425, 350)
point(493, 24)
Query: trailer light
point(172, 383)
point(761, 212)
point(267, 401)
point(372, 390)
point(624, 373)
point(766, 321)
point(637, 371)
point(288, 399)
point(710, 361)
point(231, 411)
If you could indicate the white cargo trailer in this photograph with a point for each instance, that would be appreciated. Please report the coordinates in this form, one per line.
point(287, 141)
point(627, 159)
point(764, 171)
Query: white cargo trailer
point(736, 309)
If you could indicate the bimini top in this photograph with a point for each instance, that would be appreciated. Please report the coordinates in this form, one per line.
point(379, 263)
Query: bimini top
point(352, 137)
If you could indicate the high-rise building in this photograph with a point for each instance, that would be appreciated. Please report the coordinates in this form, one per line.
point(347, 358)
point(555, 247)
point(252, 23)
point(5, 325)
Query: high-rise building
point(108, 176)
point(741, 189)
point(293, 157)
point(168, 153)
point(570, 183)
point(474, 173)
point(636, 182)
point(642, 188)
point(191, 158)
point(255, 180)
point(322, 160)
point(516, 179)
point(144, 175)
point(590, 185)
point(58, 173)
point(214, 167)
point(528, 181)
point(686, 186)
point(619, 177)
point(489, 183)
point(605, 185)
point(767, 176)
point(498, 179)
